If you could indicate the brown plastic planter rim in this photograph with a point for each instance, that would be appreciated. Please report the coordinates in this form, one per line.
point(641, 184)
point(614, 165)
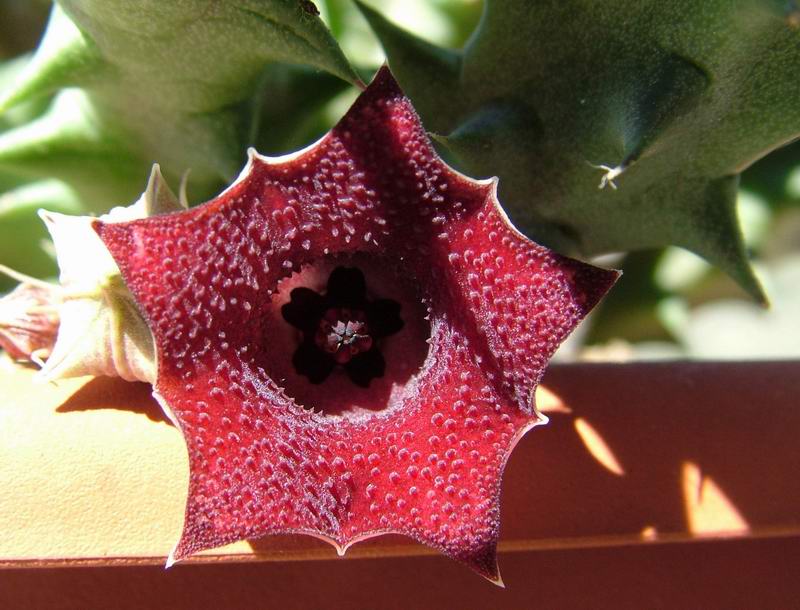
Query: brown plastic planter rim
point(640, 453)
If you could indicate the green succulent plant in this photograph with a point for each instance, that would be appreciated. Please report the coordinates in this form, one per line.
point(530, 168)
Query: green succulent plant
point(177, 82)
point(660, 104)
point(116, 86)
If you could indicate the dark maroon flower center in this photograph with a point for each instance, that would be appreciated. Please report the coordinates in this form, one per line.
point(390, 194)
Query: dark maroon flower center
point(341, 327)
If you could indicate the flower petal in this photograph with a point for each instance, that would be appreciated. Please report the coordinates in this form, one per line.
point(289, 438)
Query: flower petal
point(346, 287)
point(383, 318)
point(305, 307)
point(364, 367)
point(429, 464)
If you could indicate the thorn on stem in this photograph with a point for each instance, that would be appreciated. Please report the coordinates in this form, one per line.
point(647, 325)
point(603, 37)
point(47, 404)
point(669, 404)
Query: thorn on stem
point(611, 173)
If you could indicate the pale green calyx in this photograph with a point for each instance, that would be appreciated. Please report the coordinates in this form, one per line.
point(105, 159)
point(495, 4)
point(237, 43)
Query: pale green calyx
point(101, 330)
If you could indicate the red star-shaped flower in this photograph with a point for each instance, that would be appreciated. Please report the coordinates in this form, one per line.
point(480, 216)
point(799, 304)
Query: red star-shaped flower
point(318, 253)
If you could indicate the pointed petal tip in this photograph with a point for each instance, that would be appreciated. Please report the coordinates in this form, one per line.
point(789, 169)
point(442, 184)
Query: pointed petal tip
point(47, 216)
point(384, 79)
point(155, 170)
point(254, 157)
point(155, 179)
point(595, 283)
point(484, 563)
point(497, 580)
point(158, 196)
point(490, 572)
point(183, 197)
point(176, 555)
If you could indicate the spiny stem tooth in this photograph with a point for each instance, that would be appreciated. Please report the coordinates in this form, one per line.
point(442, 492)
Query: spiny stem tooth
point(611, 173)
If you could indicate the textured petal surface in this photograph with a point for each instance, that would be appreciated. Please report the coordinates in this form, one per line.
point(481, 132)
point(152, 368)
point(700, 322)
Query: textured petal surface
point(428, 465)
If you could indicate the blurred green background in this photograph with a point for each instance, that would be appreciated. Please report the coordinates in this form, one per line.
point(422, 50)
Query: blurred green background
point(669, 303)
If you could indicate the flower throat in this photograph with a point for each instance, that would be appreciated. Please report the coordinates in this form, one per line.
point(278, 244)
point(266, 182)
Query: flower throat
point(341, 328)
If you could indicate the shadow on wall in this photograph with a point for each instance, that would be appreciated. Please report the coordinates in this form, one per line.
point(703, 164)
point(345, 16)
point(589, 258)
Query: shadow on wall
point(114, 393)
point(658, 450)
point(652, 451)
